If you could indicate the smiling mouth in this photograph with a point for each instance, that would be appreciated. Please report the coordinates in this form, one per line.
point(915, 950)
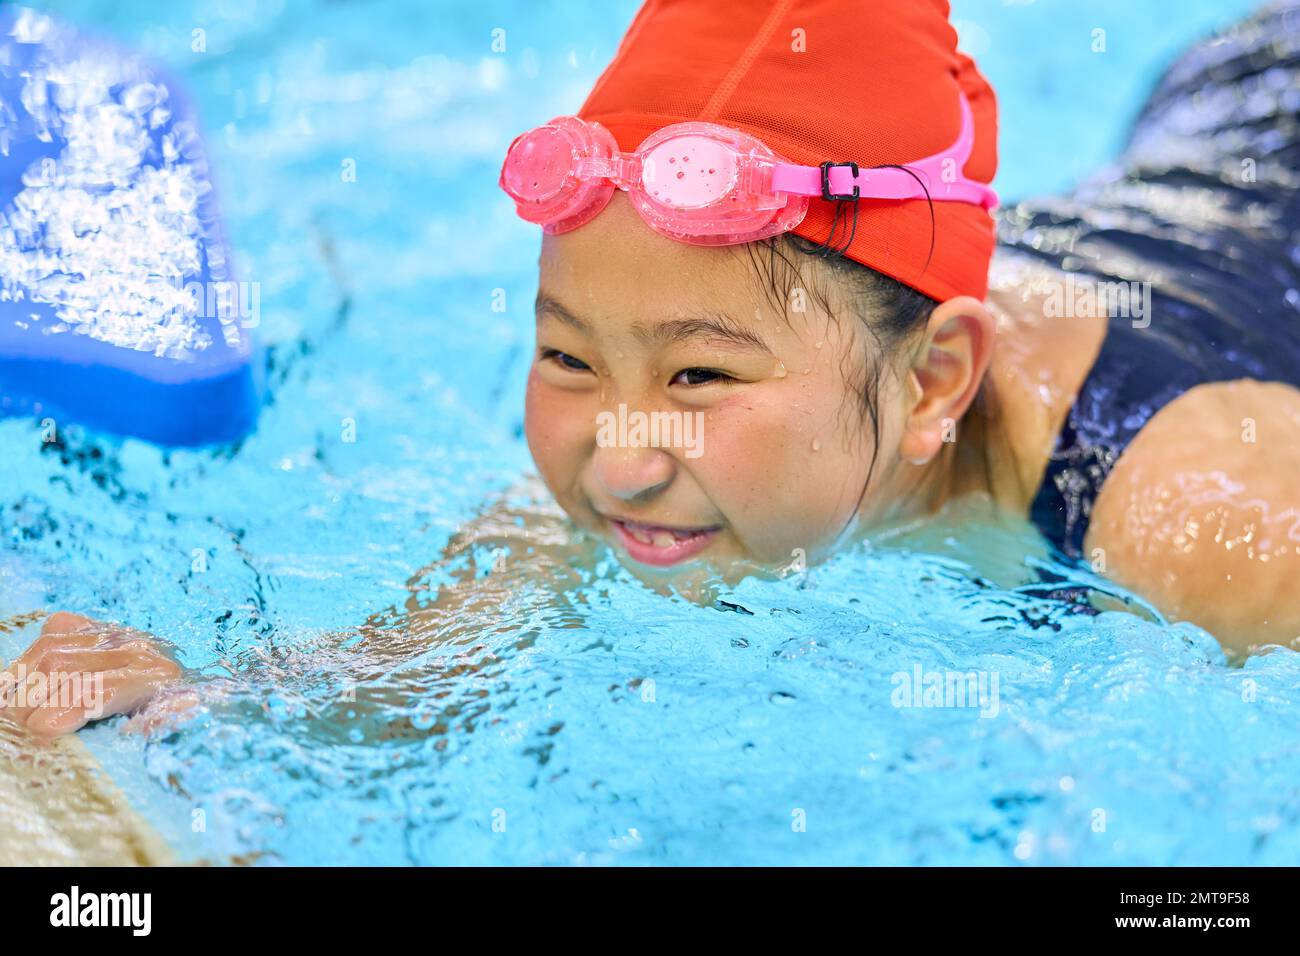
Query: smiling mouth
point(661, 545)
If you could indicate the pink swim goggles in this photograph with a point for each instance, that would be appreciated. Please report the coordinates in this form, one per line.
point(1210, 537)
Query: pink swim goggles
point(708, 184)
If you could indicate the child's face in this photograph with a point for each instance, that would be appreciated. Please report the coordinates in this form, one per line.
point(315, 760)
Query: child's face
point(781, 455)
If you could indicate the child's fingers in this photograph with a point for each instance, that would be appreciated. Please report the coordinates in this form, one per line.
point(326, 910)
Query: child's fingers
point(76, 630)
point(57, 658)
point(78, 660)
point(145, 659)
point(47, 642)
point(118, 692)
point(56, 721)
point(63, 622)
point(47, 713)
point(65, 631)
point(15, 714)
point(22, 701)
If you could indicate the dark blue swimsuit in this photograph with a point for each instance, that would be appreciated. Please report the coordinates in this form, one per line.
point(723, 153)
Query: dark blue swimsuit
point(1205, 202)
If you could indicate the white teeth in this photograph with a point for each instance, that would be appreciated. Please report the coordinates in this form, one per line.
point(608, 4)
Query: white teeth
point(659, 537)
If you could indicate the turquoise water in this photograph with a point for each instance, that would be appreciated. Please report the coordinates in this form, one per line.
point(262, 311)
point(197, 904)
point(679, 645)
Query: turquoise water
point(606, 724)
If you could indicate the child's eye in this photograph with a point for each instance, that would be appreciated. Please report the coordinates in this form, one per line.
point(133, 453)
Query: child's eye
point(702, 376)
point(566, 360)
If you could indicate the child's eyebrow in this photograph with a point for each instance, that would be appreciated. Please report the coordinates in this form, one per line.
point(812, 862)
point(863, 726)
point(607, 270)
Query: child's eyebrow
point(714, 326)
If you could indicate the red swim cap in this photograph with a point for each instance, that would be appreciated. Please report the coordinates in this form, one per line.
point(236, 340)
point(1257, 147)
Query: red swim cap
point(866, 81)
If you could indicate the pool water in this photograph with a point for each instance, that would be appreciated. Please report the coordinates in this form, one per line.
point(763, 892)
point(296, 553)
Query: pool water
point(608, 723)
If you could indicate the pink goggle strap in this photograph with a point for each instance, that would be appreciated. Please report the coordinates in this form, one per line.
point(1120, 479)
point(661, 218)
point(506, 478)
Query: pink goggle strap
point(941, 174)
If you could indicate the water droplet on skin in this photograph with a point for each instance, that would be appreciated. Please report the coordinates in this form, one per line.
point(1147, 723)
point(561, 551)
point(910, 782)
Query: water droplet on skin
point(816, 445)
point(680, 174)
point(711, 170)
point(672, 159)
point(780, 370)
point(686, 159)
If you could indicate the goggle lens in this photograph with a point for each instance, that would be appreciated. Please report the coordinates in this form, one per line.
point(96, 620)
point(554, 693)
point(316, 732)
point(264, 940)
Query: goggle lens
point(537, 166)
point(689, 172)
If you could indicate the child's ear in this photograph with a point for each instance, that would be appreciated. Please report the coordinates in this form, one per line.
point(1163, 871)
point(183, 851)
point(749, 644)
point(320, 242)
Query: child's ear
point(945, 376)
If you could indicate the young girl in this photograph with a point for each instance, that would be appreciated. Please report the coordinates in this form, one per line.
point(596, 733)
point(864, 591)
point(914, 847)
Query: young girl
point(772, 222)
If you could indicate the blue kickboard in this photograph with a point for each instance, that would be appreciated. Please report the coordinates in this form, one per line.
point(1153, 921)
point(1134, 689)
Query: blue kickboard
point(118, 307)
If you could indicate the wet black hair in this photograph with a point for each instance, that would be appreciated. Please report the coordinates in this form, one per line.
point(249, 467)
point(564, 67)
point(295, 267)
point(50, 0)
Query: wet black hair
point(891, 313)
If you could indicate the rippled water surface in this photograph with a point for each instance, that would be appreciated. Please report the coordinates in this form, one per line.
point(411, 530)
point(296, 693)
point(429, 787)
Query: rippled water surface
point(603, 723)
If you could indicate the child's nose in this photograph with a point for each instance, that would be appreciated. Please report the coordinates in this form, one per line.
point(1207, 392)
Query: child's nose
point(632, 473)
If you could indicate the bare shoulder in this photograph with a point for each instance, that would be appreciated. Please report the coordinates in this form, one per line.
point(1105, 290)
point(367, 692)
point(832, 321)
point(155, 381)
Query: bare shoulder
point(1201, 513)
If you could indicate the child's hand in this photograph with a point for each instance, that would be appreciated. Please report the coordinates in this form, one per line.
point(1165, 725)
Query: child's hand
point(80, 670)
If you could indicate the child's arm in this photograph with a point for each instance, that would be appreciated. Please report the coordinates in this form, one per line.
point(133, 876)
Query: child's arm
point(522, 540)
point(520, 552)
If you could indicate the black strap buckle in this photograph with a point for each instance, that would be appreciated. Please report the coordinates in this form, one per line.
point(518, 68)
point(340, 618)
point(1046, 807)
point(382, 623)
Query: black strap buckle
point(826, 182)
